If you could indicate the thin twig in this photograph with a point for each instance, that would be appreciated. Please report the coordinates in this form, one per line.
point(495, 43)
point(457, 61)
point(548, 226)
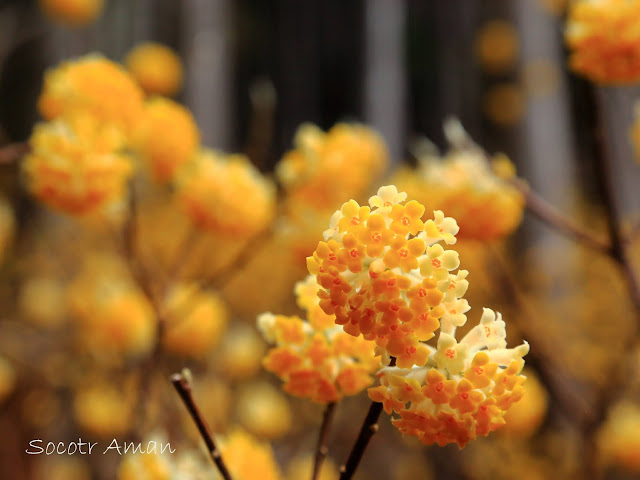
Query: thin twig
point(369, 428)
point(564, 225)
point(321, 448)
point(183, 387)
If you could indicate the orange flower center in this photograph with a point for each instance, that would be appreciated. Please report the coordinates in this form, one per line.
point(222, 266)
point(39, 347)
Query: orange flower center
point(450, 352)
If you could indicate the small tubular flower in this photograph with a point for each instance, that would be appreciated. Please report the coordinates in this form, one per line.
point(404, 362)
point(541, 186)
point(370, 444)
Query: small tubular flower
point(156, 68)
point(604, 40)
point(326, 167)
point(76, 13)
point(226, 195)
point(463, 391)
point(464, 184)
point(383, 276)
point(167, 138)
point(95, 85)
point(316, 359)
point(76, 165)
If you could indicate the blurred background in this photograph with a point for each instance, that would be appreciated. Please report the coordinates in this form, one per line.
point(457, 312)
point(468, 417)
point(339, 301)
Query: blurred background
point(254, 71)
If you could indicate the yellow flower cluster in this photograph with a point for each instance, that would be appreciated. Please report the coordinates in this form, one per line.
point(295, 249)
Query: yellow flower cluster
point(464, 185)
point(464, 390)
point(72, 12)
point(618, 438)
point(316, 359)
point(156, 68)
point(167, 137)
point(324, 168)
point(604, 40)
point(247, 458)
point(226, 195)
point(76, 164)
point(196, 321)
point(94, 85)
point(385, 276)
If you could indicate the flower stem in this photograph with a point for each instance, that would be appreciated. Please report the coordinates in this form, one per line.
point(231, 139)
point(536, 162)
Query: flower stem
point(369, 428)
point(183, 387)
point(321, 447)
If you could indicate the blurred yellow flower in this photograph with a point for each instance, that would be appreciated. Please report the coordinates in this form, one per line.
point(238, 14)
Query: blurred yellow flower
point(497, 46)
point(7, 226)
point(315, 358)
point(226, 195)
point(301, 466)
point(619, 437)
point(263, 410)
point(76, 165)
point(167, 137)
point(505, 104)
point(247, 458)
point(152, 466)
point(95, 85)
point(325, 168)
point(103, 409)
point(464, 185)
point(72, 12)
point(525, 416)
point(196, 321)
point(604, 40)
point(239, 356)
point(156, 68)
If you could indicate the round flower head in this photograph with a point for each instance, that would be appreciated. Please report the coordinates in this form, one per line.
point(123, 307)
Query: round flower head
point(263, 410)
point(316, 359)
point(385, 275)
point(324, 168)
point(167, 138)
point(462, 392)
point(618, 438)
point(72, 12)
point(77, 165)
point(497, 46)
point(156, 68)
point(198, 330)
point(102, 409)
point(95, 85)
point(247, 458)
point(226, 195)
point(469, 188)
point(604, 40)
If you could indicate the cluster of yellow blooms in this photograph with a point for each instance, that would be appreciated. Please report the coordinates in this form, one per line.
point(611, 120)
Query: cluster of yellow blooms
point(226, 195)
point(604, 40)
point(76, 164)
point(156, 68)
point(385, 276)
point(316, 358)
point(470, 189)
point(167, 137)
point(326, 167)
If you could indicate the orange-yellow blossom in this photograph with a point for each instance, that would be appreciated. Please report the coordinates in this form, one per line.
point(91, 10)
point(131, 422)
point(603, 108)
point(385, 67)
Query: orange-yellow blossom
point(156, 68)
point(382, 278)
point(316, 359)
point(604, 40)
point(95, 85)
point(72, 12)
point(324, 168)
point(167, 138)
point(226, 195)
point(462, 392)
point(77, 165)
